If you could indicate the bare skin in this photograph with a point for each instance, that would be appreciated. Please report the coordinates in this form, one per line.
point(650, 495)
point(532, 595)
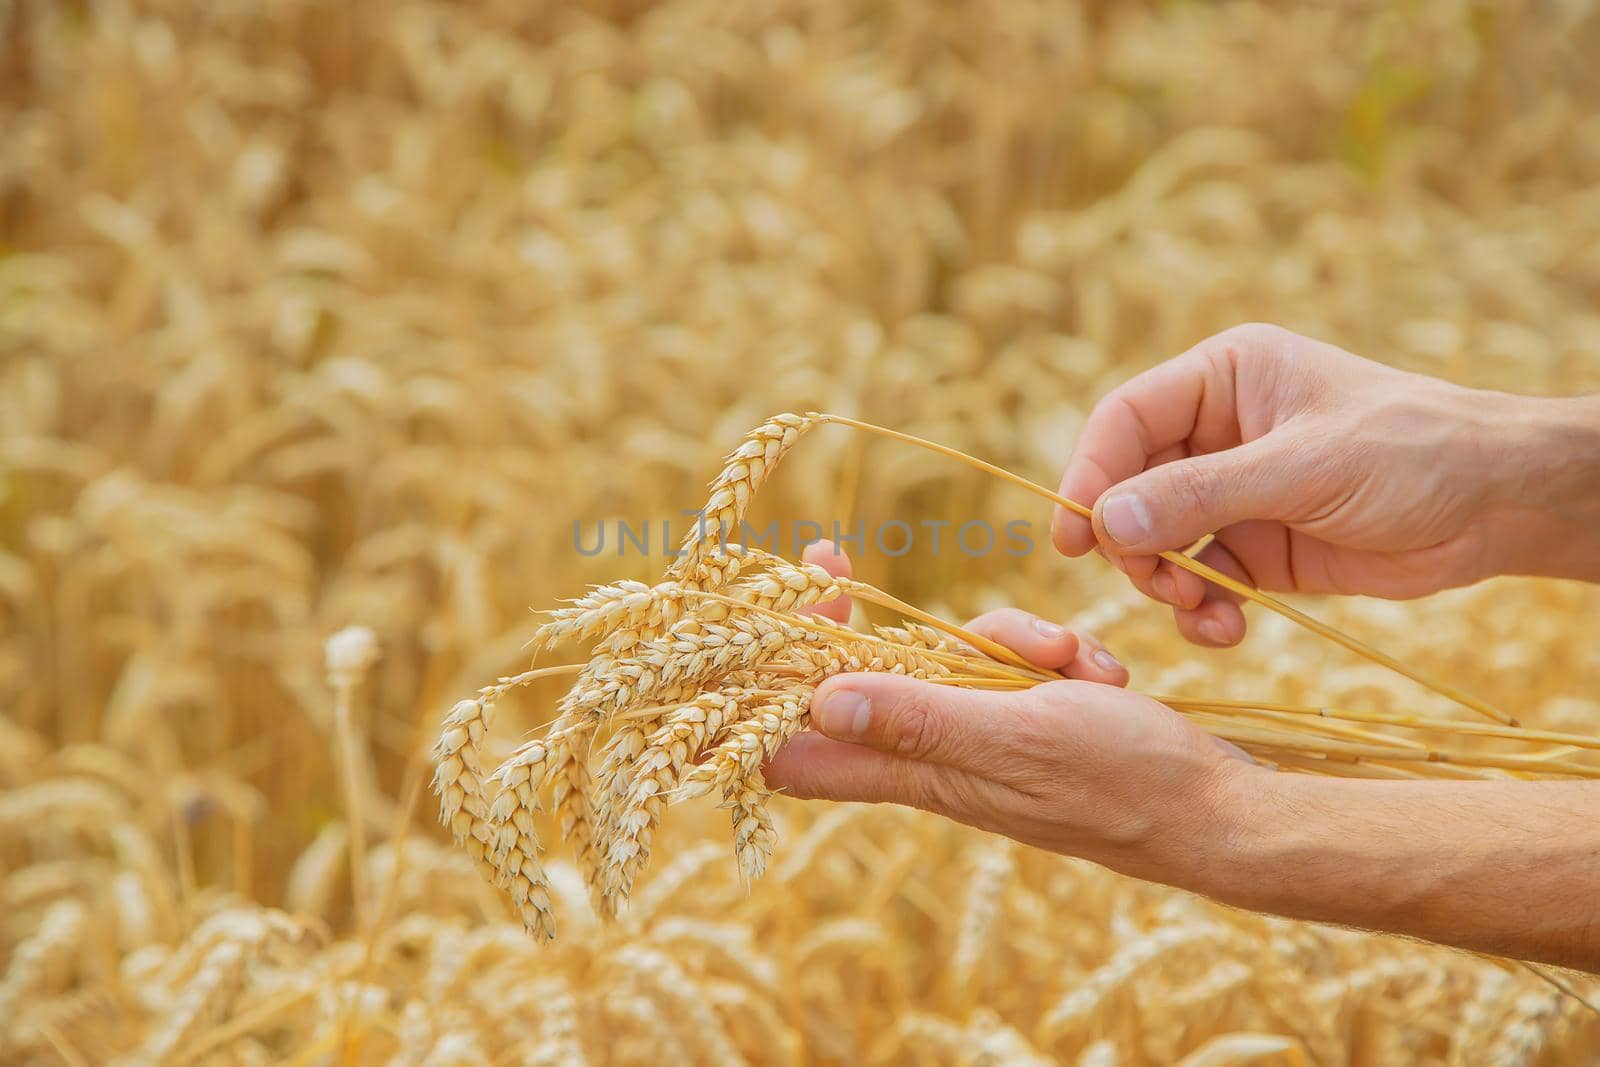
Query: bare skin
point(1320, 472)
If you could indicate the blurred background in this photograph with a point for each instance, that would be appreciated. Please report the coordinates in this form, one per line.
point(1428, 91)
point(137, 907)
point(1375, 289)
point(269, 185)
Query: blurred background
point(316, 315)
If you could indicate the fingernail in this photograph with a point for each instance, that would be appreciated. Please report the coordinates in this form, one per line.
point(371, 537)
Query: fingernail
point(1127, 519)
point(1165, 588)
point(845, 714)
point(1107, 661)
point(1212, 631)
point(1048, 629)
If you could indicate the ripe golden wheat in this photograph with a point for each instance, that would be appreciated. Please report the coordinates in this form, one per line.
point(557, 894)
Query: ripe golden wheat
point(317, 316)
point(694, 683)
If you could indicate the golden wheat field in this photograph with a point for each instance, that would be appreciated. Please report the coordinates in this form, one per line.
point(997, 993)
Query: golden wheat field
point(320, 316)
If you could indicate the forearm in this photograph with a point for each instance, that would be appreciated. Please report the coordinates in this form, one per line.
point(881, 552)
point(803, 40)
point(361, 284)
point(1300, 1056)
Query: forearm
point(1509, 868)
point(1543, 511)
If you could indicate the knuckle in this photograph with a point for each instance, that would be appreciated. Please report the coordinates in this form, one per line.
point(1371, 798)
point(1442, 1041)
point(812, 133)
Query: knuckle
point(986, 624)
point(1255, 337)
point(1191, 485)
point(1010, 626)
point(917, 728)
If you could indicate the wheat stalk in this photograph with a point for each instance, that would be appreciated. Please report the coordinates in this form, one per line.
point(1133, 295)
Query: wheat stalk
point(392, 286)
point(349, 654)
point(1194, 566)
point(695, 682)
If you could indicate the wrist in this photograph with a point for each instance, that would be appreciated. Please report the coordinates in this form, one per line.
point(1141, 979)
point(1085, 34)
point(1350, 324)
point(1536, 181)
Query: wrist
point(1197, 845)
point(1543, 485)
point(1239, 821)
point(1284, 846)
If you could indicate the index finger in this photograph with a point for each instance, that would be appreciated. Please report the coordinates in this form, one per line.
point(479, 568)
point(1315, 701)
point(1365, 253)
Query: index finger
point(1131, 425)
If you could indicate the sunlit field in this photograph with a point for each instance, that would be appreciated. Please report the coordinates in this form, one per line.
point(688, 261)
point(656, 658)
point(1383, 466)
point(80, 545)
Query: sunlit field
point(317, 316)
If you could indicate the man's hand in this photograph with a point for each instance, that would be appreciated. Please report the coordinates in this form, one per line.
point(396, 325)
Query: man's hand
point(1089, 769)
point(1075, 767)
point(1081, 766)
point(1036, 640)
point(1320, 471)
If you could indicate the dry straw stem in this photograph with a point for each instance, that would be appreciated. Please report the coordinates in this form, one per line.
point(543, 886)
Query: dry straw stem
point(1194, 566)
point(370, 263)
point(349, 654)
point(694, 683)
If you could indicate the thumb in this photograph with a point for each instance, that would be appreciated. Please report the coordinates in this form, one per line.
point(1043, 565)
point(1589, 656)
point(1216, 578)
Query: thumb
point(914, 719)
point(1177, 503)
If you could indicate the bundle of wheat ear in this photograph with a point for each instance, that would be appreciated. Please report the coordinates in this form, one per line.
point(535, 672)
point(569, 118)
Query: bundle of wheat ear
point(693, 683)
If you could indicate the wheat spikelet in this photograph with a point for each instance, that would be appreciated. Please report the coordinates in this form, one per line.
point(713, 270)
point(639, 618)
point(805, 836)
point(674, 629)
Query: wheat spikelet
point(930, 1038)
point(632, 611)
point(1482, 1017)
point(992, 869)
point(1521, 1041)
point(666, 668)
point(136, 913)
point(654, 774)
point(60, 802)
point(784, 586)
point(1241, 1048)
point(694, 1021)
point(726, 947)
point(754, 1021)
point(141, 858)
point(1102, 1053)
point(93, 1017)
point(520, 873)
point(744, 471)
point(102, 763)
point(458, 777)
point(458, 1046)
point(513, 852)
point(983, 1040)
point(660, 890)
point(554, 763)
point(1085, 998)
point(804, 852)
point(692, 652)
point(506, 848)
point(206, 996)
point(315, 877)
point(673, 679)
point(39, 884)
point(750, 743)
point(998, 1043)
point(253, 927)
point(398, 286)
point(916, 635)
point(663, 669)
point(628, 606)
point(640, 1030)
point(859, 937)
point(557, 1043)
point(50, 949)
point(1224, 978)
point(753, 835)
point(845, 656)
